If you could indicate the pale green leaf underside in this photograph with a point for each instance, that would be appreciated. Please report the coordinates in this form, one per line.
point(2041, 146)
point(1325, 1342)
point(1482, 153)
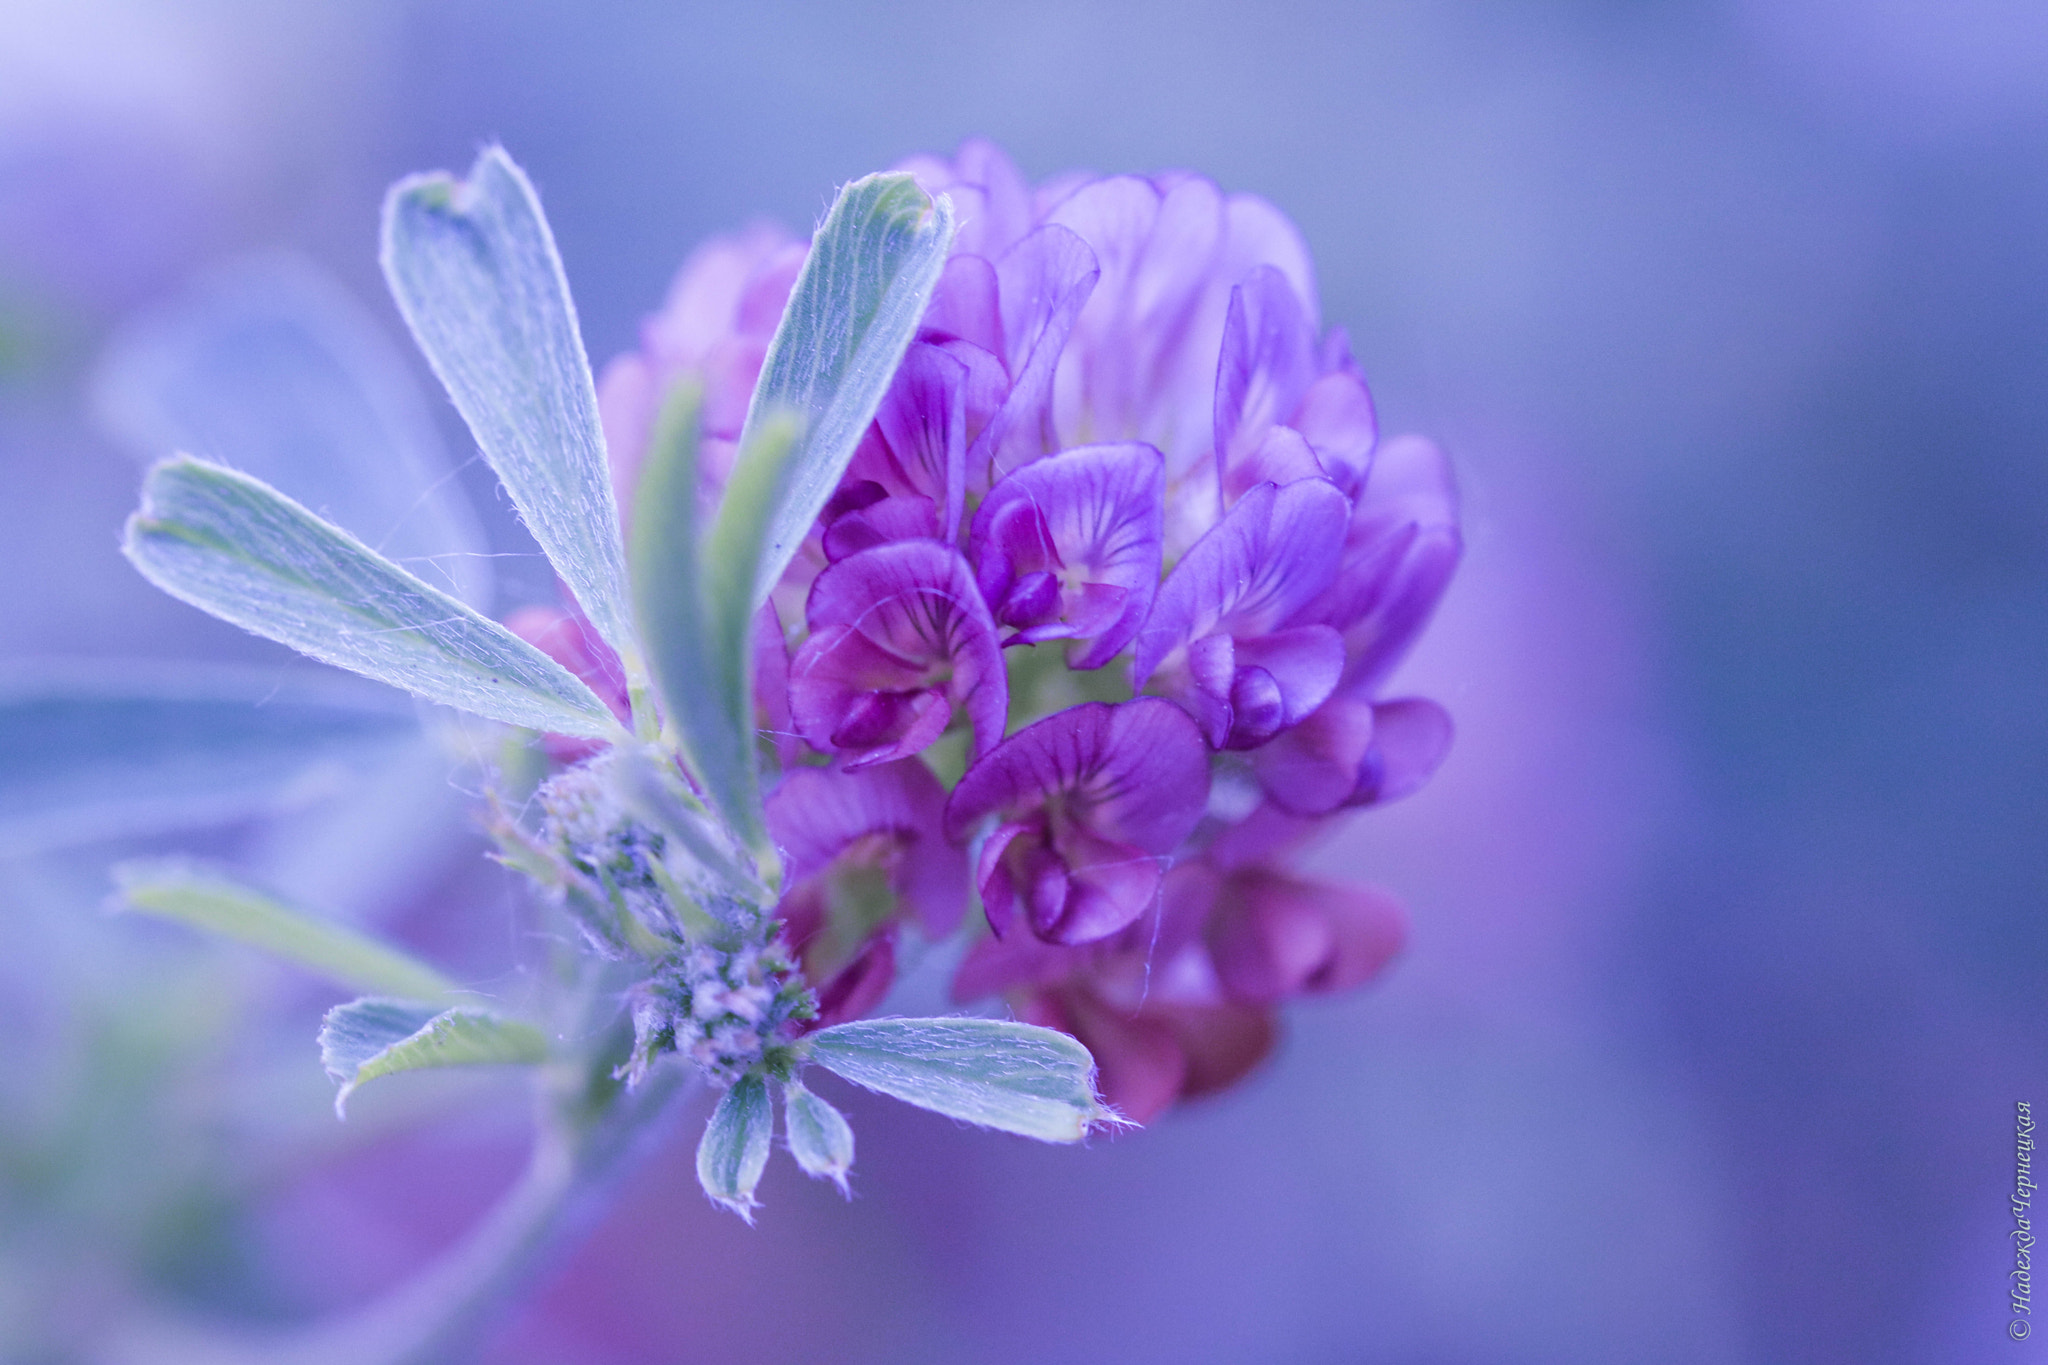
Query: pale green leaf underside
point(851, 315)
point(476, 275)
point(820, 1138)
point(211, 901)
point(373, 1037)
point(734, 1150)
point(992, 1072)
point(236, 547)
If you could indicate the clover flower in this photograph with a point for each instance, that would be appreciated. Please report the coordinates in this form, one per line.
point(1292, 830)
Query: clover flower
point(1103, 605)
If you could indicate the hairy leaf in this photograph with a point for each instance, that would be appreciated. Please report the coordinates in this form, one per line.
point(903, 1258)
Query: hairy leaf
point(851, 316)
point(820, 1138)
point(1016, 1077)
point(236, 547)
point(476, 274)
point(376, 1036)
point(734, 1150)
point(211, 900)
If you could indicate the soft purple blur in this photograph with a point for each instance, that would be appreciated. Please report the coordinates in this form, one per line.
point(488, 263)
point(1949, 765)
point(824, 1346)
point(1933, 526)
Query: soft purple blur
point(1723, 970)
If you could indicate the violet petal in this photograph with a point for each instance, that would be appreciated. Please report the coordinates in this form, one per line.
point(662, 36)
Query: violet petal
point(1411, 739)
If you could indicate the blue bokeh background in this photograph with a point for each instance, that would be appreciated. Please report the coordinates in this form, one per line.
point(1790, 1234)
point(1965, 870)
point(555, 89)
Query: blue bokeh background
point(1728, 957)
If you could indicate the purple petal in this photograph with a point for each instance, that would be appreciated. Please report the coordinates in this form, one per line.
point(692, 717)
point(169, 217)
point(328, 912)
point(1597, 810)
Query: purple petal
point(1274, 935)
point(888, 816)
point(923, 425)
point(1135, 772)
point(1337, 418)
point(1313, 768)
point(1304, 664)
point(1271, 554)
point(1267, 363)
point(1045, 280)
point(965, 307)
point(1282, 457)
point(995, 965)
point(1400, 550)
point(1140, 364)
point(1091, 798)
point(1089, 519)
point(900, 639)
point(1411, 739)
point(1258, 234)
point(879, 523)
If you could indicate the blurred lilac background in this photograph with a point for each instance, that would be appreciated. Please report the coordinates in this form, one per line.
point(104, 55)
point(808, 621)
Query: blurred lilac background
point(1728, 954)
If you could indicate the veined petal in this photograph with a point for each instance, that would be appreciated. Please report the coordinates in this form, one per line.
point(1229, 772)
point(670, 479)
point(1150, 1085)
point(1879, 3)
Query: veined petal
point(1044, 282)
point(1091, 799)
point(1313, 768)
point(900, 639)
point(1267, 364)
point(1270, 555)
point(1091, 519)
point(1400, 551)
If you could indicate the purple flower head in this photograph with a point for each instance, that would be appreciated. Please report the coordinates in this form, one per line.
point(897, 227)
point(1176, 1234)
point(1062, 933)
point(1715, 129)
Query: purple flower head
point(1120, 426)
point(899, 640)
point(1086, 804)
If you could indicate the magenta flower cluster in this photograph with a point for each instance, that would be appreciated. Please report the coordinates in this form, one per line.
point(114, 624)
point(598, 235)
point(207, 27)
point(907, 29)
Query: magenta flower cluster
point(1096, 624)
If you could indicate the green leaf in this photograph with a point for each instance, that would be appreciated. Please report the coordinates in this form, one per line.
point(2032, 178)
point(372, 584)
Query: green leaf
point(209, 900)
point(374, 1037)
point(734, 1150)
point(236, 547)
point(94, 750)
point(851, 316)
point(819, 1137)
point(269, 366)
point(477, 277)
point(700, 651)
point(1016, 1077)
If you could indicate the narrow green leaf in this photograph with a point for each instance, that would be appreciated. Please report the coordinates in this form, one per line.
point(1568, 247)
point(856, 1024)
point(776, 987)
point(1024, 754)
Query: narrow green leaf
point(734, 1150)
point(212, 901)
point(236, 547)
point(90, 750)
point(374, 1036)
point(851, 316)
point(697, 639)
point(477, 277)
point(820, 1138)
point(1016, 1077)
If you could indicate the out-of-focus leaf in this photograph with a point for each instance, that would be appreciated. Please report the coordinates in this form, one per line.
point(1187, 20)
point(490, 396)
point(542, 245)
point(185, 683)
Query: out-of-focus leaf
point(1016, 1077)
point(94, 750)
point(734, 1150)
point(269, 367)
point(233, 546)
point(820, 1138)
point(374, 1036)
point(476, 274)
point(851, 316)
point(696, 643)
point(211, 900)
